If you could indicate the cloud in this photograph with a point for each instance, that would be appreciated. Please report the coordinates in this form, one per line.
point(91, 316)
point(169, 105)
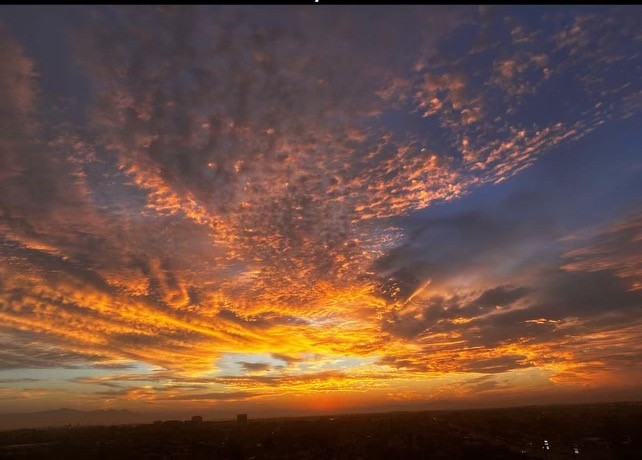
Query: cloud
point(498, 297)
point(490, 239)
point(263, 320)
point(616, 249)
point(234, 396)
point(259, 181)
point(254, 367)
point(288, 360)
point(171, 394)
point(565, 310)
point(19, 380)
point(497, 365)
point(25, 350)
point(565, 293)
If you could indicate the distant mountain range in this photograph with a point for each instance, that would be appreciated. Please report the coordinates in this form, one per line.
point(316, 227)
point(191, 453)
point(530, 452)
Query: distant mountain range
point(63, 417)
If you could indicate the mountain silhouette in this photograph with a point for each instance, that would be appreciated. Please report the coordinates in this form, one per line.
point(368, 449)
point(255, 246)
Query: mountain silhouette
point(66, 416)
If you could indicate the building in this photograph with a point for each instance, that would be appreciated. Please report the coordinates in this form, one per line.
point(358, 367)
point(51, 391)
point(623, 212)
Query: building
point(241, 419)
point(197, 419)
point(172, 423)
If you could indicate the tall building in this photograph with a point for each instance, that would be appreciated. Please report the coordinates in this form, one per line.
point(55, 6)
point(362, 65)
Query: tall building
point(241, 419)
point(197, 419)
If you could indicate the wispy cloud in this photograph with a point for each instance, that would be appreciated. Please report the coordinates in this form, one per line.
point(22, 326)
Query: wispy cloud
point(249, 180)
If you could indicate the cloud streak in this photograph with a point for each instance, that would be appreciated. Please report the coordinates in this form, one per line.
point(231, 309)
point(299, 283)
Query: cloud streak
point(256, 181)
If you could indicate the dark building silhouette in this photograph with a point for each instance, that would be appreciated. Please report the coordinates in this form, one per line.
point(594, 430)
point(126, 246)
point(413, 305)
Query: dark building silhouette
point(512, 433)
point(241, 419)
point(197, 419)
point(173, 422)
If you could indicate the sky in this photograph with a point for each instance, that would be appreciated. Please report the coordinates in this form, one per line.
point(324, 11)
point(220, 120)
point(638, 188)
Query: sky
point(304, 209)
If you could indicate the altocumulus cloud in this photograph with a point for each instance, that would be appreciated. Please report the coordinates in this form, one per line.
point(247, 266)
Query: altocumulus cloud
point(255, 180)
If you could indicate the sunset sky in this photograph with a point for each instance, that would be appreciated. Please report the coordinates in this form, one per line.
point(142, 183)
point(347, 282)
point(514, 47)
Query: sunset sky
point(309, 208)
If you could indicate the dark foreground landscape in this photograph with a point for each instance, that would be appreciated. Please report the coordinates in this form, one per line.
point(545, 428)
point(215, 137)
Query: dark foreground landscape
point(596, 431)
